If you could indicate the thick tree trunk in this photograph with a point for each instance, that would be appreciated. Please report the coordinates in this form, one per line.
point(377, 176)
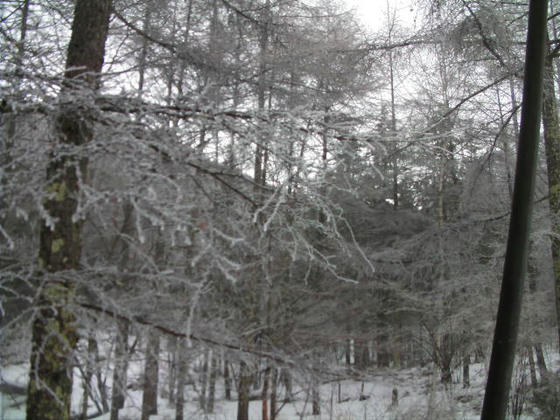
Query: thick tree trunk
point(151, 374)
point(552, 148)
point(54, 333)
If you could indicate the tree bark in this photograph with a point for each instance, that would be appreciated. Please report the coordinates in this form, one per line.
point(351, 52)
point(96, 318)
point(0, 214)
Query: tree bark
point(151, 374)
point(54, 332)
point(181, 374)
point(315, 397)
point(274, 393)
point(266, 382)
point(212, 384)
point(119, 372)
point(552, 149)
point(227, 379)
point(172, 367)
point(204, 380)
point(466, 371)
point(88, 374)
point(243, 391)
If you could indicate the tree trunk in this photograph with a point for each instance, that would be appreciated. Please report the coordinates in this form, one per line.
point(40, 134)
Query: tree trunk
point(54, 332)
point(348, 352)
point(265, 388)
point(172, 368)
point(466, 371)
point(204, 380)
point(243, 391)
point(274, 393)
point(552, 148)
point(181, 374)
point(227, 379)
point(212, 385)
point(88, 374)
point(151, 374)
point(315, 397)
point(287, 379)
point(119, 372)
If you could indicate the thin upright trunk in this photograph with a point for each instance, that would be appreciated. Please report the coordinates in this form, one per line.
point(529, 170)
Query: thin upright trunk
point(348, 352)
point(119, 371)
point(204, 380)
point(181, 374)
point(316, 401)
point(88, 374)
point(144, 49)
point(54, 331)
point(243, 391)
point(151, 374)
point(172, 367)
point(274, 394)
point(395, 161)
point(466, 371)
point(212, 384)
point(261, 91)
point(227, 379)
point(264, 397)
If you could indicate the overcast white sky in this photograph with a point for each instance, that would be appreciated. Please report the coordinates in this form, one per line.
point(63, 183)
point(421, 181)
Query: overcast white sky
point(374, 12)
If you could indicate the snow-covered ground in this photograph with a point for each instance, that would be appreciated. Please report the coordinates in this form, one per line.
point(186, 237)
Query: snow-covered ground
point(421, 396)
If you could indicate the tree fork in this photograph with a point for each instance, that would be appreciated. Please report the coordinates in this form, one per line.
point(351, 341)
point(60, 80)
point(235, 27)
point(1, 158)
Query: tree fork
point(507, 323)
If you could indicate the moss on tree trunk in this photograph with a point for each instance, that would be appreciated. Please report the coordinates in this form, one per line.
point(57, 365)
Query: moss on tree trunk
point(54, 332)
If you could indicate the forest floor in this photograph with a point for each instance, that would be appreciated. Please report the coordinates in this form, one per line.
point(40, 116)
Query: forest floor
point(420, 396)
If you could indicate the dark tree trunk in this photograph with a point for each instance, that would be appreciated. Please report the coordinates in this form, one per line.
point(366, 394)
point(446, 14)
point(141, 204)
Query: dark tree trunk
point(227, 380)
point(243, 391)
point(151, 374)
point(274, 393)
point(466, 371)
point(54, 333)
point(315, 397)
point(287, 380)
